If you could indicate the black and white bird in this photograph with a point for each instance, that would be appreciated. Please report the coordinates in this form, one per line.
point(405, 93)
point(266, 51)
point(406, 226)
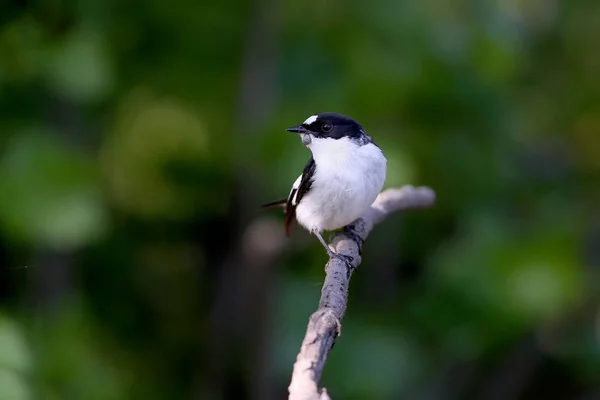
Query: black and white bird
point(340, 181)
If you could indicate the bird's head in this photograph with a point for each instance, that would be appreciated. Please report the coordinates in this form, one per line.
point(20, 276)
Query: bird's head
point(330, 126)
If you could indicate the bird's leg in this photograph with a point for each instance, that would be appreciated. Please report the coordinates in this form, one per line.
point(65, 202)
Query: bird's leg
point(347, 259)
point(327, 249)
point(351, 233)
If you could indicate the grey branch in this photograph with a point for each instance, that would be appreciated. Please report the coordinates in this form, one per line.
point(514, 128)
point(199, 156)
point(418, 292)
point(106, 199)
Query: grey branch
point(324, 324)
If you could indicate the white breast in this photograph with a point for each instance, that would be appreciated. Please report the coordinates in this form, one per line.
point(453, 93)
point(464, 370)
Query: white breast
point(347, 179)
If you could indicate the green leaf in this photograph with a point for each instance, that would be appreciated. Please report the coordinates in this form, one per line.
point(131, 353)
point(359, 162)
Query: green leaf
point(80, 67)
point(50, 194)
point(15, 354)
point(13, 386)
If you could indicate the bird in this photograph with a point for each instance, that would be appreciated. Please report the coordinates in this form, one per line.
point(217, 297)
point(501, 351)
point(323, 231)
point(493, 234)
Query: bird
point(340, 181)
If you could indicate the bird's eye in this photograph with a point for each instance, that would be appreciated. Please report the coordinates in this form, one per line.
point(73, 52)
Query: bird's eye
point(326, 127)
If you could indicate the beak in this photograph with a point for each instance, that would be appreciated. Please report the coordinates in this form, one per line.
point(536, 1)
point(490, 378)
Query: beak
point(298, 129)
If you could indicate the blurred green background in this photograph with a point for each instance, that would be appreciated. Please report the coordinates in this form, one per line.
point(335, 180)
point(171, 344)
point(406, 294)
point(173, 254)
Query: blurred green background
point(139, 137)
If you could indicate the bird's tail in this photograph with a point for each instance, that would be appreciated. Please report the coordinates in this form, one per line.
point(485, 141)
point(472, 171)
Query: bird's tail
point(289, 213)
point(275, 204)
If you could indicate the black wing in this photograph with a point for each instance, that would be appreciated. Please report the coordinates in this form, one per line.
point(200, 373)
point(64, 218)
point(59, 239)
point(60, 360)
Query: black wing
point(297, 193)
point(299, 190)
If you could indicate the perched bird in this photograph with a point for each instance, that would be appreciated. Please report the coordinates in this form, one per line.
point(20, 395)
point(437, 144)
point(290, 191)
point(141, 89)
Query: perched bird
point(340, 181)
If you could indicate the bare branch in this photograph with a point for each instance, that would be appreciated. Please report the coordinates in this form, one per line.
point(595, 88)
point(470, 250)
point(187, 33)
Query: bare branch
point(324, 324)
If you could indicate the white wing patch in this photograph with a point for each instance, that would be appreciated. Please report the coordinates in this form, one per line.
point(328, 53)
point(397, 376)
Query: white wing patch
point(310, 120)
point(294, 190)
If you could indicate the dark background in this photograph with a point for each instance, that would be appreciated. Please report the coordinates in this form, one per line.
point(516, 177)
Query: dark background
point(139, 137)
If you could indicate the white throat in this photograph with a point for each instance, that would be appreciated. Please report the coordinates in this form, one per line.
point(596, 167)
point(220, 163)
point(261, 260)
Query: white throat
point(329, 150)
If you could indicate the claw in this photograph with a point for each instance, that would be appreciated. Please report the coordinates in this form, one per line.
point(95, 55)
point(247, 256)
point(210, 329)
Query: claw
point(342, 257)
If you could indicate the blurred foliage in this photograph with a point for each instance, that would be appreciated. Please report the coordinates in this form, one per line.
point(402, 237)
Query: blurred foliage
point(138, 139)
point(15, 361)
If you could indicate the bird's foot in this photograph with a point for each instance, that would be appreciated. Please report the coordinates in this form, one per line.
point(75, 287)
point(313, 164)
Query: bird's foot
point(351, 233)
point(348, 260)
